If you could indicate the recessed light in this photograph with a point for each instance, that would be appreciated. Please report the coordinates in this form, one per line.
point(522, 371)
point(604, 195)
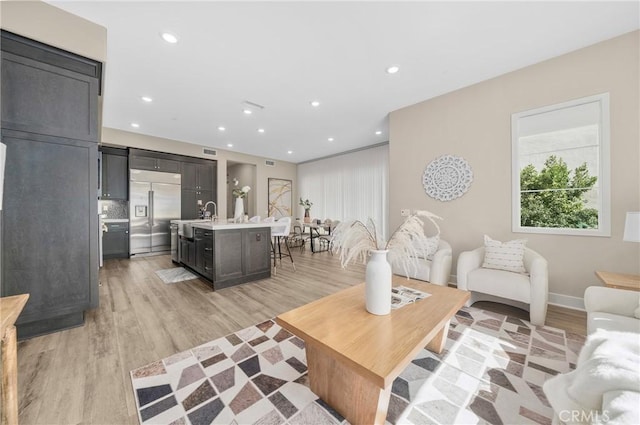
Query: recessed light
point(169, 38)
point(135, 125)
point(315, 103)
point(289, 152)
point(378, 133)
point(393, 69)
point(247, 111)
point(261, 130)
point(330, 139)
point(146, 99)
point(229, 145)
point(221, 128)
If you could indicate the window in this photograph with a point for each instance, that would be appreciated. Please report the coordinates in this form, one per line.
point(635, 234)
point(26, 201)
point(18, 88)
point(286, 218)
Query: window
point(560, 168)
point(348, 186)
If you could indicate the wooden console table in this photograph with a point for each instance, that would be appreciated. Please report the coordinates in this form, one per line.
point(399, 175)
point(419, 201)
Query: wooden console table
point(10, 308)
point(621, 281)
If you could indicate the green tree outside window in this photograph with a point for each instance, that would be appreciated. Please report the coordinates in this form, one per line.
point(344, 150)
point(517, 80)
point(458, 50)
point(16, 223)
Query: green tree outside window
point(554, 196)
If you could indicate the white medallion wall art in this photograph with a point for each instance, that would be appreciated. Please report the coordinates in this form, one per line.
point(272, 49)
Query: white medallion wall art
point(447, 177)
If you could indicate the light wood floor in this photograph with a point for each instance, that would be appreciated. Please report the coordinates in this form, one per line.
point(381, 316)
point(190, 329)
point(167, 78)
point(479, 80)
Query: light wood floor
point(81, 375)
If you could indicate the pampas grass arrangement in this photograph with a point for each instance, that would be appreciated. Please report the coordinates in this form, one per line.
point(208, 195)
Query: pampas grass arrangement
point(355, 239)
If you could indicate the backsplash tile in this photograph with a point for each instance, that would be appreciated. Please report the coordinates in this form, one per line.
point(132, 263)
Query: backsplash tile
point(115, 209)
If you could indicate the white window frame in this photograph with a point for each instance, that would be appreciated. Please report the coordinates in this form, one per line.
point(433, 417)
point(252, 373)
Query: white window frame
point(604, 178)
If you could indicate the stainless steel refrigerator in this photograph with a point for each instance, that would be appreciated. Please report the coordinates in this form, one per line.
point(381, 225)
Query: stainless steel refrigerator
point(154, 200)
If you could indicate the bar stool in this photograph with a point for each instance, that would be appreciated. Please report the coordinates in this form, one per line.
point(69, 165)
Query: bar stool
point(278, 234)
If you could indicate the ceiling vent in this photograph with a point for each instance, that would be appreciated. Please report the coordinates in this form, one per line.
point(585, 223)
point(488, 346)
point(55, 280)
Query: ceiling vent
point(208, 151)
point(270, 163)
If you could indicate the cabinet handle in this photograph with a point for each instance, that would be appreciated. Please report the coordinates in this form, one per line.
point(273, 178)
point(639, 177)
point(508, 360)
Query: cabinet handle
point(208, 234)
point(126, 231)
point(207, 268)
point(208, 249)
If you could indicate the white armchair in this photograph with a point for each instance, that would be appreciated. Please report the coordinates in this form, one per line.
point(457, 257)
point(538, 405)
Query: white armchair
point(611, 309)
point(529, 292)
point(436, 271)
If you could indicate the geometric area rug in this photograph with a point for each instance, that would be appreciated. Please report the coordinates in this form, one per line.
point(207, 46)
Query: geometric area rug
point(491, 372)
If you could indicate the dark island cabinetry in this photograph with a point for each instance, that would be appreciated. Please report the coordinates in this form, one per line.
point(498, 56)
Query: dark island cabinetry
point(241, 255)
point(228, 257)
point(49, 111)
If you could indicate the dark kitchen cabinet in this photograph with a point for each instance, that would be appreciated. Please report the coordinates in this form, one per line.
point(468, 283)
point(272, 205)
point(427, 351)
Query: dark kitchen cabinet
point(48, 91)
point(115, 176)
point(229, 258)
point(151, 162)
point(187, 252)
point(198, 184)
point(50, 227)
point(241, 255)
point(115, 241)
point(190, 208)
point(257, 251)
point(204, 252)
point(198, 176)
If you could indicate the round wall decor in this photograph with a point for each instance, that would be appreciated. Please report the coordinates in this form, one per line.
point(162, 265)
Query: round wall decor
point(447, 177)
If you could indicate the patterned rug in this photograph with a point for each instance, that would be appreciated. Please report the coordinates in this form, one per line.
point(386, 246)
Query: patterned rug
point(491, 371)
point(175, 275)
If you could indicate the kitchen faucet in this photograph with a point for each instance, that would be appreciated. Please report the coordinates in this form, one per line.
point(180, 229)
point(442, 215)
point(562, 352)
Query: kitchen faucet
point(214, 217)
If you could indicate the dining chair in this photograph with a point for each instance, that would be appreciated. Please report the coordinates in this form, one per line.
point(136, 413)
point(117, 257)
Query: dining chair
point(279, 234)
point(326, 241)
point(298, 239)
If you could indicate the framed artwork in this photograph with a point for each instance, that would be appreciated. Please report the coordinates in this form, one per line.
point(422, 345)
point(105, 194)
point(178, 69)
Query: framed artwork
point(280, 198)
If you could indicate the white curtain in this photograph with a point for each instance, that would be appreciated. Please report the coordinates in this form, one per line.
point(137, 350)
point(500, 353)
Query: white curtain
point(350, 186)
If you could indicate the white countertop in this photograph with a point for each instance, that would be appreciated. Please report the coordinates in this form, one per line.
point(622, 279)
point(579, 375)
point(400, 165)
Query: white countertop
point(221, 225)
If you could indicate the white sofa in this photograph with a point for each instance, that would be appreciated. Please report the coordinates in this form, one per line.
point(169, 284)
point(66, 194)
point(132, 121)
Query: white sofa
point(527, 291)
point(436, 271)
point(611, 309)
point(604, 387)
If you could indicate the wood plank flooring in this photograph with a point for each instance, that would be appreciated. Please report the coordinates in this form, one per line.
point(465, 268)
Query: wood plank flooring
point(81, 375)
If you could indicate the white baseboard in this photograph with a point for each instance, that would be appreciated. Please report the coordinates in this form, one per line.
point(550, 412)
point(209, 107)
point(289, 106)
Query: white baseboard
point(567, 301)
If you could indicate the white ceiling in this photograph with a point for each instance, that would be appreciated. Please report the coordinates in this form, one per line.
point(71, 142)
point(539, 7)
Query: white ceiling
point(283, 55)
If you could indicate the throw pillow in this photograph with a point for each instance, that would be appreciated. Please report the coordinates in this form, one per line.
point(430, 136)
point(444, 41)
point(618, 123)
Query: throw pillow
point(504, 255)
point(426, 247)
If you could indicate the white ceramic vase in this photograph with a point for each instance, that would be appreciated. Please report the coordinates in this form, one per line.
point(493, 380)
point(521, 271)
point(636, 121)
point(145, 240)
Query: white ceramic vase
point(378, 283)
point(238, 213)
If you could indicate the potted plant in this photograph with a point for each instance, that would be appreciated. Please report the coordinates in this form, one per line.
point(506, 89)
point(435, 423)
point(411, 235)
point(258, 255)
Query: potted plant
point(306, 204)
point(358, 240)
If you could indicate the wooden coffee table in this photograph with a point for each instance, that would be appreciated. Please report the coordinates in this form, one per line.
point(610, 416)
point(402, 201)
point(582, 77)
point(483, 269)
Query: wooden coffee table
point(353, 356)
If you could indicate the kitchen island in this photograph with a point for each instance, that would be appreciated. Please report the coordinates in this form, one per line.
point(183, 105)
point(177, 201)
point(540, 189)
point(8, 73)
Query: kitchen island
point(225, 254)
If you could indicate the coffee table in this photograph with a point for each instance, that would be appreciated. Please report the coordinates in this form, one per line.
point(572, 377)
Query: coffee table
point(353, 356)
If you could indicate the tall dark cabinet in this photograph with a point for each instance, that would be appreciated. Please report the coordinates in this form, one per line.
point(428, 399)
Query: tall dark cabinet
point(198, 184)
point(49, 119)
